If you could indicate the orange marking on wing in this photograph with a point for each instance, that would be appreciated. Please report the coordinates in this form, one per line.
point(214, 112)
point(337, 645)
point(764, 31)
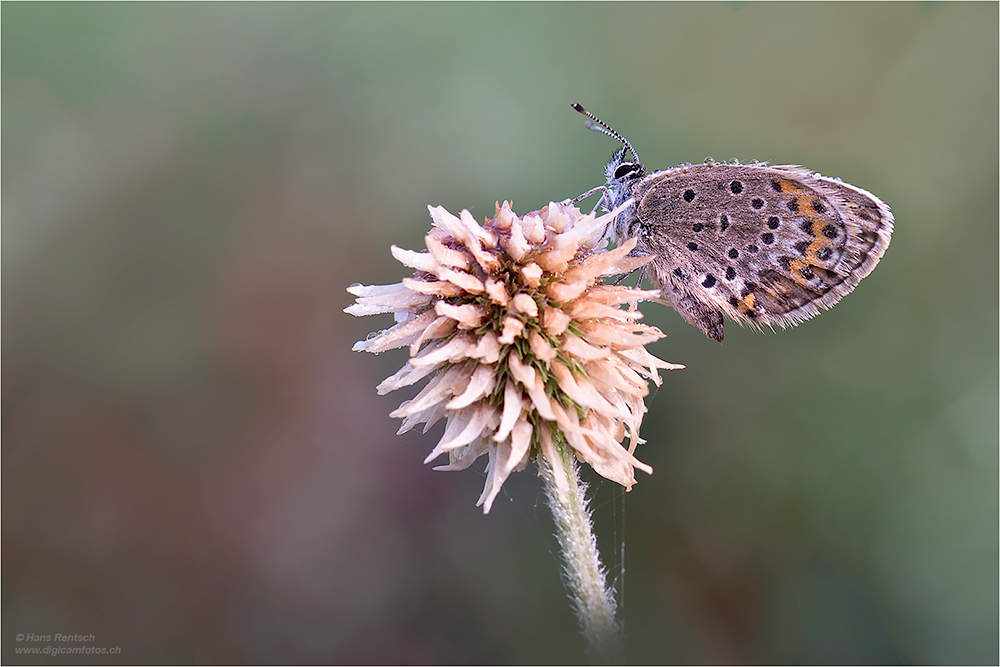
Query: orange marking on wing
point(789, 187)
point(795, 267)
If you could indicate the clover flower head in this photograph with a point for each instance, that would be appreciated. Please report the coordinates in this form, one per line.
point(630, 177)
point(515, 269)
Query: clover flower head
point(525, 347)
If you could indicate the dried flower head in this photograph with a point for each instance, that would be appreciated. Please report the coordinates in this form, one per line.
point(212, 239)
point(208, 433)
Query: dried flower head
point(525, 346)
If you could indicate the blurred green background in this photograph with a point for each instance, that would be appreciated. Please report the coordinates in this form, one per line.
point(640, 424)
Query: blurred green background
point(196, 467)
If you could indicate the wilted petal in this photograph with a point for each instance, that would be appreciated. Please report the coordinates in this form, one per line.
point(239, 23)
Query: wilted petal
point(463, 457)
point(532, 383)
point(397, 336)
point(524, 304)
point(440, 388)
point(463, 427)
point(433, 287)
point(563, 292)
point(554, 321)
point(540, 347)
point(496, 474)
point(445, 255)
point(520, 444)
point(512, 328)
point(531, 275)
point(467, 282)
point(421, 261)
point(580, 349)
point(404, 377)
point(513, 408)
point(468, 316)
point(497, 292)
point(439, 328)
point(516, 245)
point(583, 393)
point(456, 349)
point(482, 382)
point(487, 349)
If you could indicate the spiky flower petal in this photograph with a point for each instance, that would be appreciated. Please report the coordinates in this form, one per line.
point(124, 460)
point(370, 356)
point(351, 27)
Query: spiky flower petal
point(522, 342)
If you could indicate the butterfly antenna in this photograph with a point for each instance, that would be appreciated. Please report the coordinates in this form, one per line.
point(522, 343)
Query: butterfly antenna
point(605, 129)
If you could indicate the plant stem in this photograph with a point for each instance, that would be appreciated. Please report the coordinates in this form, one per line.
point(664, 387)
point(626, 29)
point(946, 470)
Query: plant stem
point(584, 575)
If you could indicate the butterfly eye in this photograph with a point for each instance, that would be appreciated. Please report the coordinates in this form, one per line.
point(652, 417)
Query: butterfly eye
point(624, 170)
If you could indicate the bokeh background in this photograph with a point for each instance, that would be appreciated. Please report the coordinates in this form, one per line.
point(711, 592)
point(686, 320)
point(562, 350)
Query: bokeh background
point(196, 467)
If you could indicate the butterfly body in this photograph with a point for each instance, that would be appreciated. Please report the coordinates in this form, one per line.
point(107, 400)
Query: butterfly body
point(762, 245)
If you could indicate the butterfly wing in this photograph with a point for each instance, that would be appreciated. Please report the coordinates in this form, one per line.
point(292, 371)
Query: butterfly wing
point(761, 245)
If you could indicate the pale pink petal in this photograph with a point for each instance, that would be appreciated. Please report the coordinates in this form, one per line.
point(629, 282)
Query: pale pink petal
point(482, 382)
point(583, 393)
point(534, 228)
point(403, 299)
point(468, 316)
point(439, 328)
point(601, 333)
point(582, 350)
point(554, 321)
point(397, 336)
point(532, 383)
point(454, 350)
point(513, 407)
point(562, 292)
point(421, 261)
point(614, 295)
point(497, 292)
point(433, 287)
point(467, 282)
point(616, 377)
point(448, 256)
point(463, 457)
point(463, 427)
point(531, 275)
point(522, 303)
point(520, 444)
point(605, 263)
point(404, 377)
point(440, 388)
point(557, 258)
point(588, 309)
point(484, 236)
point(487, 349)
point(512, 328)
point(540, 347)
point(448, 223)
point(504, 216)
point(496, 473)
point(357, 289)
point(516, 245)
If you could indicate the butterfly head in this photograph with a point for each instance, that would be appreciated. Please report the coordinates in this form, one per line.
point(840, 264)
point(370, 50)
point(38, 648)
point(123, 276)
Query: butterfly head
point(623, 172)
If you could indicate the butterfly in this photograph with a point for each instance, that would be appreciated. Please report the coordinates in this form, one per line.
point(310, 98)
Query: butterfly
point(762, 245)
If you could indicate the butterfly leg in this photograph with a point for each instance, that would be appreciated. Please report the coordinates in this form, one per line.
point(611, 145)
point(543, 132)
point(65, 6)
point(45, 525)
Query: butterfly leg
point(603, 190)
point(638, 283)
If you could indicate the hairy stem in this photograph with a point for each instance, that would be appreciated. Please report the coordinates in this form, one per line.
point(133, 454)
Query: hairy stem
point(584, 575)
